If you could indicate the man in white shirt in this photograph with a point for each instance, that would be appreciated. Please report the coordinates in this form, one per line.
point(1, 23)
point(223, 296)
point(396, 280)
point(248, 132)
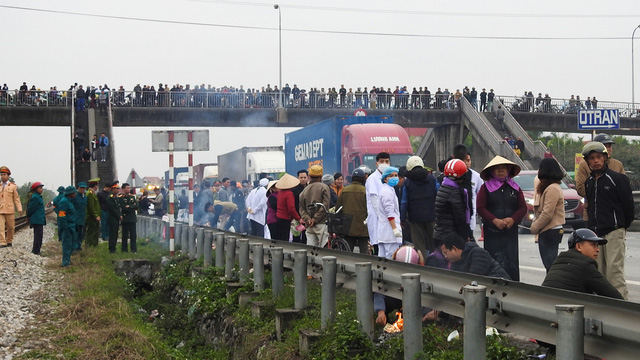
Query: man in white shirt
point(373, 185)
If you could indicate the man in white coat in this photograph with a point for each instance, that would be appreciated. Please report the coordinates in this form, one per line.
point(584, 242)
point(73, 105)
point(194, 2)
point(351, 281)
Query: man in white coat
point(256, 203)
point(373, 185)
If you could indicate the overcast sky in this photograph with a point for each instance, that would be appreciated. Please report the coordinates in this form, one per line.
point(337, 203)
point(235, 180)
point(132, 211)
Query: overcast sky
point(559, 47)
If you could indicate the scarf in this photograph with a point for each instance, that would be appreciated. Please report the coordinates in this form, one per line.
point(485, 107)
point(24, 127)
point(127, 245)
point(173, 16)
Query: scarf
point(448, 182)
point(495, 183)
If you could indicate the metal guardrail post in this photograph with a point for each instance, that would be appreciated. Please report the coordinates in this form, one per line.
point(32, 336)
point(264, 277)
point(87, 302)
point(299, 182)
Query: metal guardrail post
point(258, 266)
point(328, 306)
point(219, 250)
point(364, 298)
point(300, 279)
point(177, 233)
point(412, 315)
point(243, 259)
point(277, 271)
point(185, 239)
point(230, 257)
point(199, 243)
point(475, 319)
point(192, 243)
point(208, 239)
point(570, 335)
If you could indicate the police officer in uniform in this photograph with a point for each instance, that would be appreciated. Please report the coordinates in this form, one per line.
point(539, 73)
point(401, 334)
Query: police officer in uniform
point(128, 205)
point(92, 218)
point(80, 203)
point(114, 215)
point(67, 223)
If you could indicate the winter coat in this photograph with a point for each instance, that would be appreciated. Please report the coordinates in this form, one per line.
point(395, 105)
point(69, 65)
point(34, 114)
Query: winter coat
point(316, 192)
point(9, 199)
point(66, 214)
point(353, 201)
point(451, 209)
point(93, 206)
point(388, 207)
point(35, 210)
point(128, 213)
point(548, 209)
point(609, 202)
point(286, 206)
point(476, 260)
point(80, 203)
point(418, 196)
point(576, 272)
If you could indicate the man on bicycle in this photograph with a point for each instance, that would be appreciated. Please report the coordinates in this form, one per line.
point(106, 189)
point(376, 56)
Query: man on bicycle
point(315, 217)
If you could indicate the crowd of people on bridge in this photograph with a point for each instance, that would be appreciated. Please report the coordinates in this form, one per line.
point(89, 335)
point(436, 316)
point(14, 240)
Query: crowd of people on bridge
point(201, 96)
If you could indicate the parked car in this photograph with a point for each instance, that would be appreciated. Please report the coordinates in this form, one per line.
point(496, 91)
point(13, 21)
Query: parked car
point(573, 203)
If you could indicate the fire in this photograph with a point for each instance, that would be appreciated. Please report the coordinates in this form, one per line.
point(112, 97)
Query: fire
point(397, 326)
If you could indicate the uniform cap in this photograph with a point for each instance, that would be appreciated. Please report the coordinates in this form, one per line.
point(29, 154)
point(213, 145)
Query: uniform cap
point(315, 171)
point(35, 185)
point(485, 174)
point(94, 181)
point(82, 184)
point(585, 235)
point(60, 189)
point(4, 169)
point(115, 184)
point(70, 190)
point(413, 162)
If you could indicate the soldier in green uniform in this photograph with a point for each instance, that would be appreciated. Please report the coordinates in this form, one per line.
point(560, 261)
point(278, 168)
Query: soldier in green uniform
point(129, 205)
point(67, 223)
point(56, 204)
point(114, 215)
point(80, 203)
point(92, 217)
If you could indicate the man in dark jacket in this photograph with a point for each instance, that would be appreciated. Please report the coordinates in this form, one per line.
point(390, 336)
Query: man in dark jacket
point(418, 205)
point(128, 207)
point(114, 215)
point(353, 201)
point(577, 270)
point(470, 258)
point(611, 210)
point(102, 199)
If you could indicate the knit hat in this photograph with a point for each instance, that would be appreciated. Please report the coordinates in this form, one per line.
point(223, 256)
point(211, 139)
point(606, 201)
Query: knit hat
point(315, 171)
point(327, 179)
point(388, 172)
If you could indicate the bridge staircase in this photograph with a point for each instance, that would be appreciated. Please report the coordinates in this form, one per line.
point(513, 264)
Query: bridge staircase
point(92, 122)
point(486, 135)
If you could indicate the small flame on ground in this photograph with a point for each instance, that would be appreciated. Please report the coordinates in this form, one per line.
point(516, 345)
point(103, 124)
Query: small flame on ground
point(397, 326)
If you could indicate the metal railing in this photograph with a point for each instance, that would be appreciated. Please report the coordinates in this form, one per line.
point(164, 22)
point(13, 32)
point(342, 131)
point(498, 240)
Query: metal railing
point(607, 327)
point(562, 105)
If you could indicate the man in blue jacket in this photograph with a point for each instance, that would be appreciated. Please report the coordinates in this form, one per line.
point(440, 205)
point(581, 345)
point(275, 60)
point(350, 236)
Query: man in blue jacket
point(35, 214)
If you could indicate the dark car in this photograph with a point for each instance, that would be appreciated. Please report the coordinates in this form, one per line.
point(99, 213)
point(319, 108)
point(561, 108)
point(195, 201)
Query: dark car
point(573, 203)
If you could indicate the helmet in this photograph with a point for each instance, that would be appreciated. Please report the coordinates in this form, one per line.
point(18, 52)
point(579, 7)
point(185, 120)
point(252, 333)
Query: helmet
point(413, 162)
point(455, 169)
point(408, 254)
point(359, 172)
point(35, 185)
point(594, 146)
point(366, 169)
point(585, 234)
point(603, 138)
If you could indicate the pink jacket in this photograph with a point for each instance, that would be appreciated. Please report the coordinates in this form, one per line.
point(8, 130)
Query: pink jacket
point(9, 199)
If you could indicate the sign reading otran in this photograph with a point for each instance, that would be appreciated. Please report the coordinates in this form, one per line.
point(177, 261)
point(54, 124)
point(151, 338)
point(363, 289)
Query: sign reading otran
point(598, 119)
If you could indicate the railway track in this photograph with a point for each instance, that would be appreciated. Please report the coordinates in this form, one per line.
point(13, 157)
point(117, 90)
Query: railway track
point(23, 222)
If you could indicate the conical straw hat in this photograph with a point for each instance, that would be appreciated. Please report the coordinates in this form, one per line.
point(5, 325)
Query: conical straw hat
point(499, 160)
point(287, 182)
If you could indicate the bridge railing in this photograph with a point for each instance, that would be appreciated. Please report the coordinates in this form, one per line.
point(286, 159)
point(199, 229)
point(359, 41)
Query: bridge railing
point(608, 327)
point(562, 105)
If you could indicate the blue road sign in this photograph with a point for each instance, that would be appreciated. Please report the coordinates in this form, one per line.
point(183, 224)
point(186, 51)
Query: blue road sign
point(598, 119)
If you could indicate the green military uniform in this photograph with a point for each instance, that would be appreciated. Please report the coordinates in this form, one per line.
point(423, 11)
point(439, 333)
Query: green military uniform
point(67, 224)
point(114, 216)
point(80, 203)
point(129, 205)
point(93, 215)
point(56, 204)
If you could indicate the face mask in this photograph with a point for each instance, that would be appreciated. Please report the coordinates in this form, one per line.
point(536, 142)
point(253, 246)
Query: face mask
point(382, 167)
point(394, 181)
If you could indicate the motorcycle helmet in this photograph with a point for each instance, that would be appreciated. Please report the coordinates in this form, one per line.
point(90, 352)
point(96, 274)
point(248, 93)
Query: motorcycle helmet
point(455, 169)
point(359, 173)
point(366, 169)
point(594, 146)
point(603, 138)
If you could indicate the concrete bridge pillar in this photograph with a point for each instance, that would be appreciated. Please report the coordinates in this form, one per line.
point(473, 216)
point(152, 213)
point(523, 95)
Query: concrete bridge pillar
point(481, 156)
point(445, 138)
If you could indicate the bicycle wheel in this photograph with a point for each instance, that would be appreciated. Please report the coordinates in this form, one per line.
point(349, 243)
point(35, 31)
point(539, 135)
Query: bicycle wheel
point(341, 245)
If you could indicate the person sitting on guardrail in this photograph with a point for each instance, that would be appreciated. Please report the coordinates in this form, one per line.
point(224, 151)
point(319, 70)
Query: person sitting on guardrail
point(576, 269)
point(470, 258)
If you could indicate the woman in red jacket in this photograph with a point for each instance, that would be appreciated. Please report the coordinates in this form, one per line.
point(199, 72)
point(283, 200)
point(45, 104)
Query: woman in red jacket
point(286, 207)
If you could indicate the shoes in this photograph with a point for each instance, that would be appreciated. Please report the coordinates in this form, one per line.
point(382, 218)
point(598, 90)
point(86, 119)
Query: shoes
point(3, 246)
point(9, 245)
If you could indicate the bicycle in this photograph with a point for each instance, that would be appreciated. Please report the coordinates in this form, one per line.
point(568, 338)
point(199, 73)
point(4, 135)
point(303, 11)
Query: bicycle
point(337, 224)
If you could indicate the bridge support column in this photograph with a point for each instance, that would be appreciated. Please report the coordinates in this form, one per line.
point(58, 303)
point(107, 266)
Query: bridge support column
point(481, 156)
point(445, 138)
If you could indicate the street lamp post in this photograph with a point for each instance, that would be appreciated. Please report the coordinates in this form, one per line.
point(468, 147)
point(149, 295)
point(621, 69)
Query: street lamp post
point(633, 75)
point(277, 7)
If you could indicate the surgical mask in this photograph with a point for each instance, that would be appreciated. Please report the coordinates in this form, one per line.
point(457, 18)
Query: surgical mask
point(383, 167)
point(393, 181)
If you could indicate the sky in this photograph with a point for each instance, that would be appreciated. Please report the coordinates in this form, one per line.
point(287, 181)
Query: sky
point(556, 47)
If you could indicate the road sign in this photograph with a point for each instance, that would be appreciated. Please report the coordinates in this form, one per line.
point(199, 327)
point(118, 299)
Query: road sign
point(360, 112)
point(160, 140)
point(598, 119)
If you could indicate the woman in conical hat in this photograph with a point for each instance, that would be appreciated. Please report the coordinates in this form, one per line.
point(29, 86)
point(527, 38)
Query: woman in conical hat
point(286, 208)
point(501, 206)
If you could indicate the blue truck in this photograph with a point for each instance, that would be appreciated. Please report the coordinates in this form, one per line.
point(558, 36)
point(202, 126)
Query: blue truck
point(343, 143)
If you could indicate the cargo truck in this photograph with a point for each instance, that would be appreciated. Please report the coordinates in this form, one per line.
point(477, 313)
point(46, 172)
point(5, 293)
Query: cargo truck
point(343, 143)
point(249, 162)
point(208, 171)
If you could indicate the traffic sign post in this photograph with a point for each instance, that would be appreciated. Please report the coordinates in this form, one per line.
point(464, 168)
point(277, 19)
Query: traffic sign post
point(598, 119)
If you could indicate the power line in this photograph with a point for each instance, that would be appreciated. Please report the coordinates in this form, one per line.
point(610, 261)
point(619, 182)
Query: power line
point(337, 32)
point(419, 12)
